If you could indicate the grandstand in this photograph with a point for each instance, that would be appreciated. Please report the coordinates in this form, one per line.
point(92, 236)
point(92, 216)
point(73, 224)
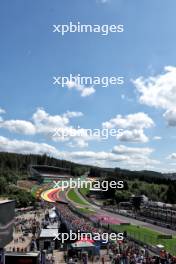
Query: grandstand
point(44, 173)
point(159, 211)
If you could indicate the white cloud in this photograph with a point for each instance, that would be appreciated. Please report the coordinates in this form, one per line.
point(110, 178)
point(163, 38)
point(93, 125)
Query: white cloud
point(157, 138)
point(122, 154)
point(45, 122)
point(136, 156)
point(172, 156)
point(41, 122)
point(121, 149)
point(170, 116)
point(133, 125)
point(84, 91)
point(59, 129)
point(47, 125)
point(135, 135)
point(69, 114)
point(26, 147)
point(19, 126)
point(132, 121)
point(143, 162)
point(2, 111)
point(173, 164)
point(78, 142)
point(159, 91)
point(126, 157)
point(108, 156)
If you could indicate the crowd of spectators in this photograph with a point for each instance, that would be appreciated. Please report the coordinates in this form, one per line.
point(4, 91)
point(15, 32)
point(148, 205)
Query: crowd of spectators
point(130, 253)
point(74, 222)
point(126, 252)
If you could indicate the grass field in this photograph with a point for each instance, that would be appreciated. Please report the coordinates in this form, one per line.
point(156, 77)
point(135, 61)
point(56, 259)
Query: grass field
point(34, 189)
point(147, 236)
point(73, 196)
point(86, 210)
point(84, 191)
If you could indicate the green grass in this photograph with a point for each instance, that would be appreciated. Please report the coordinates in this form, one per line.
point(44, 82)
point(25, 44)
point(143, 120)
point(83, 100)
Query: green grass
point(34, 189)
point(86, 210)
point(84, 191)
point(147, 236)
point(73, 196)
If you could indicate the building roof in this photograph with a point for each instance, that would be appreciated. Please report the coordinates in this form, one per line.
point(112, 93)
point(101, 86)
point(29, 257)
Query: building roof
point(49, 233)
point(23, 254)
point(5, 201)
point(53, 226)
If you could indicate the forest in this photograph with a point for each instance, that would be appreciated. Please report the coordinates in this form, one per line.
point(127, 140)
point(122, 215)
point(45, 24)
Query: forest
point(15, 167)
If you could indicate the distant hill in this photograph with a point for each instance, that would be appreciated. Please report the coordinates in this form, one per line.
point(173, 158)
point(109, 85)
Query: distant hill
point(143, 175)
point(20, 163)
point(15, 167)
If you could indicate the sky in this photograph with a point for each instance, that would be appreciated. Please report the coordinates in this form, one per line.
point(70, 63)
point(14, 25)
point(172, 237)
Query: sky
point(75, 122)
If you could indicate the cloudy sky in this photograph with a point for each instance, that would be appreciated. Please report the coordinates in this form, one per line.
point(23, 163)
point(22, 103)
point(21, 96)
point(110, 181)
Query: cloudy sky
point(34, 111)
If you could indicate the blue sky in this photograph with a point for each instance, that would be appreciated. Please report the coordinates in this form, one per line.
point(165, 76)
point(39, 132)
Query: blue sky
point(144, 54)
